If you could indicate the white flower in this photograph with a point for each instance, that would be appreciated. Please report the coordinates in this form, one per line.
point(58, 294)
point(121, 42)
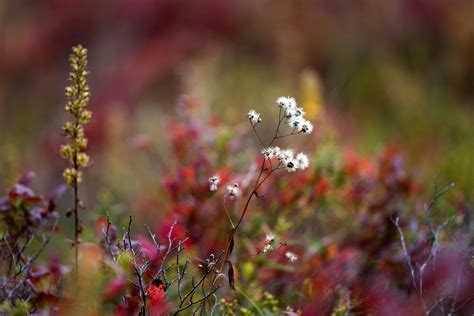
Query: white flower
point(300, 112)
point(288, 160)
point(267, 248)
point(290, 112)
point(233, 190)
point(285, 155)
point(306, 127)
point(286, 102)
point(270, 152)
point(296, 122)
point(291, 256)
point(214, 182)
point(276, 151)
point(254, 117)
point(294, 112)
point(291, 165)
point(302, 161)
point(269, 238)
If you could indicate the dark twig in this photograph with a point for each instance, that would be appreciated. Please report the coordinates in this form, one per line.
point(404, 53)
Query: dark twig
point(409, 263)
point(138, 271)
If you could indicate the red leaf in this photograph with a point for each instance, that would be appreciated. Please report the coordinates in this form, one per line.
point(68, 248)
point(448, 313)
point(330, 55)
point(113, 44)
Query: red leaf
point(114, 288)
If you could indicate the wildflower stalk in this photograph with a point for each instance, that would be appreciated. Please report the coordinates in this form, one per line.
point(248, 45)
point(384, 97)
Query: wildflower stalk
point(254, 192)
point(291, 114)
point(78, 95)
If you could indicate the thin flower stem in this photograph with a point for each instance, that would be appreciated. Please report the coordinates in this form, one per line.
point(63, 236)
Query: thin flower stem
point(291, 134)
point(280, 119)
point(258, 183)
point(256, 133)
point(266, 177)
point(245, 210)
point(281, 245)
point(228, 215)
point(76, 222)
point(254, 192)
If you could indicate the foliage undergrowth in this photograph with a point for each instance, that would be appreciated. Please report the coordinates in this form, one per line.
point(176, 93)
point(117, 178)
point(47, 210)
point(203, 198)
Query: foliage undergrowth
point(319, 234)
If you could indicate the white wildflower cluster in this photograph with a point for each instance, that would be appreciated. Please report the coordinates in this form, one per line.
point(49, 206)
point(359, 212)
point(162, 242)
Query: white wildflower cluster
point(295, 115)
point(286, 103)
point(269, 246)
point(291, 257)
point(269, 243)
point(233, 190)
point(254, 117)
point(214, 182)
point(287, 158)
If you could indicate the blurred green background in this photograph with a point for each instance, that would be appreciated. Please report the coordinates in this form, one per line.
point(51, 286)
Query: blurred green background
point(383, 72)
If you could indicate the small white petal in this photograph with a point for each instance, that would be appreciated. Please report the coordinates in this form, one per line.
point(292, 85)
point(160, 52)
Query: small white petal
point(270, 238)
point(299, 112)
point(291, 165)
point(306, 127)
point(302, 161)
point(296, 122)
point(286, 102)
point(214, 182)
point(285, 155)
point(233, 190)
point(254, 117)
point(291, 256)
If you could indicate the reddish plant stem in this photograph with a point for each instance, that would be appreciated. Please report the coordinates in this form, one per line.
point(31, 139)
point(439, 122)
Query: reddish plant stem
point(258, 183)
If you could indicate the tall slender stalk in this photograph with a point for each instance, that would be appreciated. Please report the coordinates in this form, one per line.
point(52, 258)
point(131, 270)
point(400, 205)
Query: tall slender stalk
point(78, 95)
point(259, 181)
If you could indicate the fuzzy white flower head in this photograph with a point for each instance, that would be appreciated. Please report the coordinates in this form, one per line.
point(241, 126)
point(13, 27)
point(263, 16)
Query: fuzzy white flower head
point(286, 102)
point(291, 165)
point(291, 256)
point(296, 122)
point(270, 152)
point(306, 127)
point(290, 112)
point(269, 238)
point(254, 117)
point(302, 161)
point(233, 190)
point(276, 151)
point(285, 155)
point(294, 112)
point(300, 112)
point(214, 182)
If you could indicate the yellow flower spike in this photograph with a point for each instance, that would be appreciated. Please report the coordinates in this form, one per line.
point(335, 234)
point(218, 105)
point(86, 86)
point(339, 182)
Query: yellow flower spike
point(78, 95)
point(311, 94)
